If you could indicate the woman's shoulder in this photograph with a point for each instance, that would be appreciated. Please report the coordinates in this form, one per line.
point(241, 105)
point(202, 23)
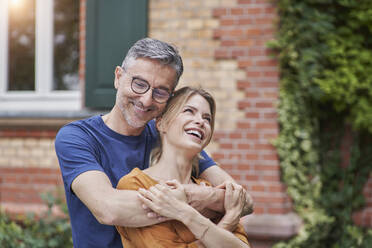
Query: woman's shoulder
point(134, 180)
point(201, 180)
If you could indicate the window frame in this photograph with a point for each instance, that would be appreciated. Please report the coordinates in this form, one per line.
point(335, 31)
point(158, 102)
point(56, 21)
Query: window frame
point(44, 98)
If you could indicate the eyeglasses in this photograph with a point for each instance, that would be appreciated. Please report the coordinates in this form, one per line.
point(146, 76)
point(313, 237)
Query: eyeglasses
point(140, 86)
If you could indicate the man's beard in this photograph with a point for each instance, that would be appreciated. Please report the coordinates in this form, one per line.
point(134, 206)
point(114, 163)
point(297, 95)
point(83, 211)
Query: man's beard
point(130, 118)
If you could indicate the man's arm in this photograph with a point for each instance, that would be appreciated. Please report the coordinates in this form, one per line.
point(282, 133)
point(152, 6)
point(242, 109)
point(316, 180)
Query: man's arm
point(109, 205)
point(217, 176)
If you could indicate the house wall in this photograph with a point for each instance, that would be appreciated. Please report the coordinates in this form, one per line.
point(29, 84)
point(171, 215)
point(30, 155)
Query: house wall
point(222, 43)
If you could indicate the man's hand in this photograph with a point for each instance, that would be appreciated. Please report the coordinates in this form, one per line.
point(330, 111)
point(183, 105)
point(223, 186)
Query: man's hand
point(235, 199)
point(202, 197)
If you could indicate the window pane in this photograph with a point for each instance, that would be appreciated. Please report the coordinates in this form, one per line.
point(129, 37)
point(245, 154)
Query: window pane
point(66, 45)
point(21, 45)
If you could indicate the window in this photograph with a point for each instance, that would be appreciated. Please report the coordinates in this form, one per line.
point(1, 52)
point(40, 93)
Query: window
point(39, 55)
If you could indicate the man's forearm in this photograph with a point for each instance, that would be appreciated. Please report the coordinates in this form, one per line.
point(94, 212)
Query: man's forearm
point(108, 205)
point(202, 197)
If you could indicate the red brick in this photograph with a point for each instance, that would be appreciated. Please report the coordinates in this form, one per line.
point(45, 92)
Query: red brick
point(244, 104)
point(254, 11)
point(267, 62)
point(259, 188)
point(227, 22)
point(264, 104)
point(228, 43)
point(251, 156)
point(245, 1)
point(243, 125)
point(254, 74)
point(266, 167)
point(235, 32)
point(258, 210)
point(218, 155)
point(236, 11)
point(245, 43)
point(221, 54)
point(226, 146)
point(253, 115)
point(271, 74)
point(270, 157)
point(253, 32)
point(277, 188)
point(274, 178)
point(217, 12)
point(242, 84)
point(273, 115)
point(265, 20)
point(272, 210)
point(252, 136)
point(256, 52)
point(235, 135)
point(236, 53)
point(244, 63)
point(245, 21)
point(266, 125)
point(251, 177)
point(244, 146)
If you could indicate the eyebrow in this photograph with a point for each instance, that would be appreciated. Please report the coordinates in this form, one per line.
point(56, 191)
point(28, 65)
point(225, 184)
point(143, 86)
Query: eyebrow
point(189, 106)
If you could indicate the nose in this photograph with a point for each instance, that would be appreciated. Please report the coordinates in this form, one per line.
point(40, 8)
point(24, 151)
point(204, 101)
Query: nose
point(199, 120)
point(146, 99)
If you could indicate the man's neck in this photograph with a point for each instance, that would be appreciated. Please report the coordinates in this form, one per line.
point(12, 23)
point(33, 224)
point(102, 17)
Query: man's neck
point(115, 121)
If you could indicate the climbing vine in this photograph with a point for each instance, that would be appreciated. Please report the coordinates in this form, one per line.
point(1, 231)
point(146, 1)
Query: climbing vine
point(324, 48)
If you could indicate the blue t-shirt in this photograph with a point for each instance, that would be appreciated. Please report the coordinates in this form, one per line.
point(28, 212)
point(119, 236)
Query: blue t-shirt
point(89, 144)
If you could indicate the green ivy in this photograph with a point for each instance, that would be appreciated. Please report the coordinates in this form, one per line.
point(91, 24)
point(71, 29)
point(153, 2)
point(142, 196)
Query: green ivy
point(324, 48)
point(45, 231)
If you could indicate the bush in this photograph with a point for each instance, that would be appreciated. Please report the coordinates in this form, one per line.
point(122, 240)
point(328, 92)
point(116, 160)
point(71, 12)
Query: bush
point(37, 232)
point(324, 50)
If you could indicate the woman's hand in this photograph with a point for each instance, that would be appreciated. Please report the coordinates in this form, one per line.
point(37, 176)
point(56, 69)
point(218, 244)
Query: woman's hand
point(166, 199)
point(235, 199)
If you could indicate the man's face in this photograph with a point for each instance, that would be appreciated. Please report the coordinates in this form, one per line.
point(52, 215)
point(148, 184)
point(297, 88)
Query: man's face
point(138, 109)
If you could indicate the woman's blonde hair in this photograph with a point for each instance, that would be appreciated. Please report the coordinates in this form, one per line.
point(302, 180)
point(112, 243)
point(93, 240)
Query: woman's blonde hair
point(173, 108)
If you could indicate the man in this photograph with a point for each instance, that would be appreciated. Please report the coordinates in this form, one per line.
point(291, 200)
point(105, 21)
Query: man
point(95, 153)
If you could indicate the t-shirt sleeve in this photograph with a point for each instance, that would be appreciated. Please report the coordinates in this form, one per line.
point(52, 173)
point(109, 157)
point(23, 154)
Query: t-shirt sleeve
point(205, 162)
point(76, 153)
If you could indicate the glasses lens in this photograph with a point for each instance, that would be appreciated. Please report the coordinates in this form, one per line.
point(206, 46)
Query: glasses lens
point(160, 95)
point(139, 86)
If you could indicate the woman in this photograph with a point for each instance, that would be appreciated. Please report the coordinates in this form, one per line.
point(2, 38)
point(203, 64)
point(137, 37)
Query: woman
point(185, 128)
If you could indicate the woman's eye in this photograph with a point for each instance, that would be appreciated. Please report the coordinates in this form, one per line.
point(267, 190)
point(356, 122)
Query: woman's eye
point(208, 119)
point(188, 110)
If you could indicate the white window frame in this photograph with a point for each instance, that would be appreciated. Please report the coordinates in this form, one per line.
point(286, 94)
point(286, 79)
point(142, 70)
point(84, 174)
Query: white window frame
point(44, 98)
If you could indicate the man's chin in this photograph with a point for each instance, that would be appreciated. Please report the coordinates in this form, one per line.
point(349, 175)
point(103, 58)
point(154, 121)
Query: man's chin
point(137, 123)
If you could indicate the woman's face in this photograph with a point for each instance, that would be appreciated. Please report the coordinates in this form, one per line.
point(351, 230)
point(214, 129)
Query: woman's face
point(191, 128)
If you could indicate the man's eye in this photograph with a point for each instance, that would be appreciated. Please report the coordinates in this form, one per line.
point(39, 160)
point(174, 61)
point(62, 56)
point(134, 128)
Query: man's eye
point(140, 84)
point(161, 93)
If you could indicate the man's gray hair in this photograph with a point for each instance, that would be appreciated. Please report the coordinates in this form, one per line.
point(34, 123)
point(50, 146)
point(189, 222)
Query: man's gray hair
point(157, 50)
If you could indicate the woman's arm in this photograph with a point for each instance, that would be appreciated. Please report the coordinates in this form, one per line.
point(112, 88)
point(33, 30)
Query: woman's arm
point(160, 199)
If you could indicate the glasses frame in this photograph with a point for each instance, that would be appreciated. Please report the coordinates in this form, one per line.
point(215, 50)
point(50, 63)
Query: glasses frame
point(148, 88)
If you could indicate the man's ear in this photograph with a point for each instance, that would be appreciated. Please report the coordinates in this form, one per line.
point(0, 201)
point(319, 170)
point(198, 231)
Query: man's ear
point(119, 72)
point(160, 125)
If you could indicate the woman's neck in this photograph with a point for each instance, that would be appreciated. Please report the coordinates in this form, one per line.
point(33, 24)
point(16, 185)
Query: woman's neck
point(173, 164)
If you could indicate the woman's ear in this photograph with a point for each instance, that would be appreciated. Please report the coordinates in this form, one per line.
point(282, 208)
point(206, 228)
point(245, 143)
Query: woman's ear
point(160, 125)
